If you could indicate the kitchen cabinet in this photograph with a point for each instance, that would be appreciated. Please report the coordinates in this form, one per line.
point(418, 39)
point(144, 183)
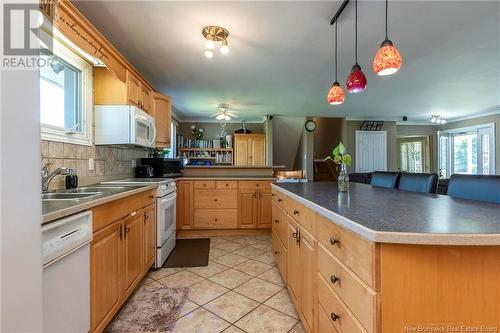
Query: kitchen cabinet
point(149, 236)
point(247, 200)
point(121, 252)
point(162, 112)
point(255, 204)
point(110, 90)
point(293, 262)
point(307, 278)
point(184, 202)
point(250, 149)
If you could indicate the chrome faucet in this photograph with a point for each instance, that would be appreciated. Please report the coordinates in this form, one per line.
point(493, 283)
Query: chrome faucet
point(47, 177)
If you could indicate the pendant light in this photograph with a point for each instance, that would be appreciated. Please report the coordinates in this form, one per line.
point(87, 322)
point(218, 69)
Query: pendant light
point(336, 95)
point(388, 60)
point(356, 81)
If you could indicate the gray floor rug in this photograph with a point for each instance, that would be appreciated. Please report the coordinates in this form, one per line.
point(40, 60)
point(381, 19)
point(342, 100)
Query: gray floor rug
point(152, 308)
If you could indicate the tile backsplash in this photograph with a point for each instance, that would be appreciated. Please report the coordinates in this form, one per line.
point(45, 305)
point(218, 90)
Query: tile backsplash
point(109, 162)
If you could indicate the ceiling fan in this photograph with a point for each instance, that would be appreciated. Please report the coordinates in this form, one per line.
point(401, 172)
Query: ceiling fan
point(224, 113)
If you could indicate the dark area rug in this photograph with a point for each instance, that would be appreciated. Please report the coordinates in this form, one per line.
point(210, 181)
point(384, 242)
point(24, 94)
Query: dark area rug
point(152, 308)
point(189, 253)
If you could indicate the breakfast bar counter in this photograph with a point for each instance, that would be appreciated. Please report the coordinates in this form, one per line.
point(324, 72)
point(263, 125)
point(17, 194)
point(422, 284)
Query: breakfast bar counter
point(395, 216)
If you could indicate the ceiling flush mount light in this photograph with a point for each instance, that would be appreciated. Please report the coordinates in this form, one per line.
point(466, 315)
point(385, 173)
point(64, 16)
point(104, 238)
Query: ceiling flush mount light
point(336, 95)
point(388, 60)
point(214, 34)
point(356, 81)
point(437, 119)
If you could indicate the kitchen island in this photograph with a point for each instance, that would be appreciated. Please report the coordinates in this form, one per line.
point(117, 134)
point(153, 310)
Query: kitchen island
point(386, 260)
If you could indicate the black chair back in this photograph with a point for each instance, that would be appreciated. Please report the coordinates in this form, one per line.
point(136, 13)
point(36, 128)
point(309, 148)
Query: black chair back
point(418, 182)
point(475, 187)
point(385, 179)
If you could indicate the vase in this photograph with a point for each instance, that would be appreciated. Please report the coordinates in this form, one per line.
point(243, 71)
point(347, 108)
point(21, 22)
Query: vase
point(343, 179)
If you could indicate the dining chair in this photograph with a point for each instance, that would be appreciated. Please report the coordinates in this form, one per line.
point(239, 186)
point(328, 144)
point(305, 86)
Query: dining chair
point(418, 182)
point(385, 179)
point(475, 187)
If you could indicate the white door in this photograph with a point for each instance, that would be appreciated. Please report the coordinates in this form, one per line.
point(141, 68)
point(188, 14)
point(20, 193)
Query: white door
point(371, 151)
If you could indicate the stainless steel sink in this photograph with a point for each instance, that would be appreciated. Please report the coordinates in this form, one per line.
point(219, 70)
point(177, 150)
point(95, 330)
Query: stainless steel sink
point(68, 196)
point(91, 189)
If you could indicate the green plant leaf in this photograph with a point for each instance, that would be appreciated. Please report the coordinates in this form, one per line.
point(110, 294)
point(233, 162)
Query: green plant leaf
point(337, 159)
point(335, 151)
point(347, 159)
point(341, 148)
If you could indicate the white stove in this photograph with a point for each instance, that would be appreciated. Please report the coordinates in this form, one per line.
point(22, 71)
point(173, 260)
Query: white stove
point(165, 212)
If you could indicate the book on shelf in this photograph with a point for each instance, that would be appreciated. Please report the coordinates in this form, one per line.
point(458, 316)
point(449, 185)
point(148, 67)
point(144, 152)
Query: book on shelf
point(185, 143)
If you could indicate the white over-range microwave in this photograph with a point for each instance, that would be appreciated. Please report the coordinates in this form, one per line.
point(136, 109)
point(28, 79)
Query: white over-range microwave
point(123, 125)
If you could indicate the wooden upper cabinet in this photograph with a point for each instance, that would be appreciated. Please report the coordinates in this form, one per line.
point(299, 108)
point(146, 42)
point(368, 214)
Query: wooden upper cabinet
point(162, 112)
point(250, 149)
point(133, 85)
point(110, 90)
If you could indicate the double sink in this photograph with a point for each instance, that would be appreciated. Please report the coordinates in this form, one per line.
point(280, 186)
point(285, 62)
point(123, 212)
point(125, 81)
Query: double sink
point(79, 193)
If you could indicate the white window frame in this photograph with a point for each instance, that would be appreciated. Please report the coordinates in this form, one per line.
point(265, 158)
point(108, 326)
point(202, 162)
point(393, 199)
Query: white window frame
point(490, 127)
point(65, 50)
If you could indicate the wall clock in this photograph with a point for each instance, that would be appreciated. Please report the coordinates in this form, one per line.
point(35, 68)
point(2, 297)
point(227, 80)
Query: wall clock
point(310, 125)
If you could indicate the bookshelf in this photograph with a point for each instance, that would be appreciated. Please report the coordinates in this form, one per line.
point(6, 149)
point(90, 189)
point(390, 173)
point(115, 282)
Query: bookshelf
point(217, 155)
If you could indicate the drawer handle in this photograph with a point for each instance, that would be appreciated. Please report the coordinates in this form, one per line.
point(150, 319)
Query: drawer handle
point(296, 212)
point(294, 235)
point(204, 185)
point(227, 185)
point(258, 185)
point(280, 200)
point(151, 196)
point(333, 241)
point(334, 279)
point(276, 221)
point(216, 220)
point(334, 316)
point(276, 252)
point(215, 200)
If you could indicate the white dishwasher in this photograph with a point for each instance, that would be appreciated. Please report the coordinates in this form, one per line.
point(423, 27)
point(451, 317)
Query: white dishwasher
point(66, 274)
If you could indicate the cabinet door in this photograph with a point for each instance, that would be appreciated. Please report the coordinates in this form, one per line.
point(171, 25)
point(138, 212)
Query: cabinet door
point(146, 99)
point(184, 203)
point(242, 151)
point(258, 150)
point(265, 209)
point(162, 110)
point(132, 89)
point(247, 209)
point(133, 248)
point(307, 279)
point(105, 271)
point(149, 236)
point(293, 262)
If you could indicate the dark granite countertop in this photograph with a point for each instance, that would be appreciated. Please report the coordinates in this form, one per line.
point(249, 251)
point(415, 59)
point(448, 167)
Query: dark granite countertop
point(396, 216)
point(56, 209)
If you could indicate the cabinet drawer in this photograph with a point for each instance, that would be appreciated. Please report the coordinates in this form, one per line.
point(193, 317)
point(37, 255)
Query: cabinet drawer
point(209, 199)
point(279, 252)
point(216, 219)
point(279, 223)
point(360, 255)
point(254, 185)
point(281, 199)
point(359, 299)
point(325, 324)
point(148, 198)
point(226, 184)
point(108, 213)
point(204, 184)
point(333, 307)
point(305, 216)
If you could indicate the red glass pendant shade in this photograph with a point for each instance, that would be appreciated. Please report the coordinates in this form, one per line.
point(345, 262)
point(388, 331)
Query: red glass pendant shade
point(356, 81)
point(336, 95)
point(388, 60)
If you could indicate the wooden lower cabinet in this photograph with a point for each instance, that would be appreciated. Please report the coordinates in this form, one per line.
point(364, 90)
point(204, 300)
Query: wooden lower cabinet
point(121, 253)
point(280, 255)
point(247, 207)
point(265, 209)
point(308, 280)
point(184, 205)
point(293, 262)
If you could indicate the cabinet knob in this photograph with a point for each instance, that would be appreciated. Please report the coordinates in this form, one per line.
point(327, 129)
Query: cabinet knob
point(294, 235)
point(204, 185)
point(151, 196)
point(216, 220)
point(280, 200)
point(276, 252)
point(334, 279)
point(227, 185)
point(333, 241)
point(334, 316)
point(296, 212)
point(215, 200)
point(258, 185)
point(276, 221)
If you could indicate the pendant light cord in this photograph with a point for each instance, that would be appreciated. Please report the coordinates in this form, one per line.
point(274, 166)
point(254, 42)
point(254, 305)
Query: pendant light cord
point(386, 7)
point(336, 51)
point(356, 31)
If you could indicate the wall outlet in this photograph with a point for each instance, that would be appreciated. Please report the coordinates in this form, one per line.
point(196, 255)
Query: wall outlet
point(91, 164)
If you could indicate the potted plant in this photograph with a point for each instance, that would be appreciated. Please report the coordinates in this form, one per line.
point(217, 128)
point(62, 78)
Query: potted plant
point(340, 157)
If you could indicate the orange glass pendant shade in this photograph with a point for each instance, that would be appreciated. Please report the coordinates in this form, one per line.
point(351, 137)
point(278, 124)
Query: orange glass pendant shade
point(388, 60)
point(336, 95)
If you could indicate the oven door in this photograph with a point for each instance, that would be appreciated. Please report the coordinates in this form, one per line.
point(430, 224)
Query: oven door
point(143, 130)
point(165, 218)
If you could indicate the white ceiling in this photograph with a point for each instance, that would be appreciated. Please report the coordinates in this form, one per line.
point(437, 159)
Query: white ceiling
point(281, 55)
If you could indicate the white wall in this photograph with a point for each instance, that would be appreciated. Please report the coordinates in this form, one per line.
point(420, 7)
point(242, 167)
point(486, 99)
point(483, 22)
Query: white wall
point(20, 212)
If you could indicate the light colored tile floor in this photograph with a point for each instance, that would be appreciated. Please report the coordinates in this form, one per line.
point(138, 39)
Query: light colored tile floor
point(239, 291)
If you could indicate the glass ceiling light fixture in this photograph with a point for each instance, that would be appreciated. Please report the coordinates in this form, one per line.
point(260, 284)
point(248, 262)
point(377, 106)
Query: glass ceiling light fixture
point(214, 34)
point(356, 81)
point(336, 95)
point(437, 119)
point(388, 60)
